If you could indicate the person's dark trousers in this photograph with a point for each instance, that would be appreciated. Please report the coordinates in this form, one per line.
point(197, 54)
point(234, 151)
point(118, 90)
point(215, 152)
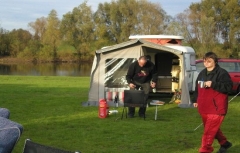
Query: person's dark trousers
point(145, 87)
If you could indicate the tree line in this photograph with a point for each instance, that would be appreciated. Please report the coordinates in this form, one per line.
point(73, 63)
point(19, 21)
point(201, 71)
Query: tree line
point(207, 25)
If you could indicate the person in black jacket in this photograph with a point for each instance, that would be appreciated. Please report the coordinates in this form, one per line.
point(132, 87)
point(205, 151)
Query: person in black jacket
point(211, 98)
point(139, 75)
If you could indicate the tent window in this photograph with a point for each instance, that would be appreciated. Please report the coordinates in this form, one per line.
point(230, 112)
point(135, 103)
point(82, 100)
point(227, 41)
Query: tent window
point(116, 70)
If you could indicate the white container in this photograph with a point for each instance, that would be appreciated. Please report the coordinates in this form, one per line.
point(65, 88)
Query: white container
point(113, 112)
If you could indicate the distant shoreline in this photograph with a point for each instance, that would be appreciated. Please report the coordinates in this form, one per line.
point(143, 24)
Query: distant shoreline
point(10, 60)
point(15, 60)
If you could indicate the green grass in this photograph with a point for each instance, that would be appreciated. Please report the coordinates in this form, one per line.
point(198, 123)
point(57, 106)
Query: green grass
point(49, 108)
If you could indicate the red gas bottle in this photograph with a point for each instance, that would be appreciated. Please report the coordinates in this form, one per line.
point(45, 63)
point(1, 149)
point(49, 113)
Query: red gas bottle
point(103, 109)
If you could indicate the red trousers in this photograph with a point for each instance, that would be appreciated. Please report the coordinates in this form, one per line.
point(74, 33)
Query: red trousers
point(211, 123)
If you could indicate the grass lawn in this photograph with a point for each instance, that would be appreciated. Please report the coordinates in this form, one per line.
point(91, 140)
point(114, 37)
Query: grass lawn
point(49, 108)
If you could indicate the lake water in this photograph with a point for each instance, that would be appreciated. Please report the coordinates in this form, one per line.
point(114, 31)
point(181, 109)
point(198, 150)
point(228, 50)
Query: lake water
point(46, 69)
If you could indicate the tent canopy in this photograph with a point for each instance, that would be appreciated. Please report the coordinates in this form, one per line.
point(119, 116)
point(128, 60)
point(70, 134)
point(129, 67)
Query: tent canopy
point(111, 63)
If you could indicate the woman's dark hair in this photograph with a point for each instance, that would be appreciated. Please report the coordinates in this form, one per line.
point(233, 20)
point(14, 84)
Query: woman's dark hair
point(211, 55)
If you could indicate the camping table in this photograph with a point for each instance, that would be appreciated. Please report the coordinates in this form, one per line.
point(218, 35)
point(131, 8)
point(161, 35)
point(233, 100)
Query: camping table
point(156, 110)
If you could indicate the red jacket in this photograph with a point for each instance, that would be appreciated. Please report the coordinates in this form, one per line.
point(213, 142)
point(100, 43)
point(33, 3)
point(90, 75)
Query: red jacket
point(212, 102)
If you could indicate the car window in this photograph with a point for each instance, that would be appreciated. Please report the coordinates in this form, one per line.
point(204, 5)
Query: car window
point(229, 66)
point(200, 66)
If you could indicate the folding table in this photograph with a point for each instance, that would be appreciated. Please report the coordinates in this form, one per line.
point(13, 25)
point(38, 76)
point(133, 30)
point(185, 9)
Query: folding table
point(156, 109)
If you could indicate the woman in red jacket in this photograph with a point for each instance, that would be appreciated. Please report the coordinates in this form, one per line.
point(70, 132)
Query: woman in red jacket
point(211, 97)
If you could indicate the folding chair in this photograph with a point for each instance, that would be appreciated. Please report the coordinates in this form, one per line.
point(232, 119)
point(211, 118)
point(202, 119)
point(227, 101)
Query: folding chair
point(32, 147)
point(10, 133)
point(133, 98)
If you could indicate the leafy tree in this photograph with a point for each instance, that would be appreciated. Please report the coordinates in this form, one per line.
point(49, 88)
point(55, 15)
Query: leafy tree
point(18, 41)
point(233, 7)
point(119, 19)
point(102, 20)
point(224, 16)
point(211, 25)
point(77, 29)
point(207, 25)
point(38, 27)
point(31, 51)
point(51, 36)
point(4, 42)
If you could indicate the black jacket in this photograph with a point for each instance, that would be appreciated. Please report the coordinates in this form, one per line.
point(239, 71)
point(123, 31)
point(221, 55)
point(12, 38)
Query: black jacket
point(143, 74)
point(220, 78)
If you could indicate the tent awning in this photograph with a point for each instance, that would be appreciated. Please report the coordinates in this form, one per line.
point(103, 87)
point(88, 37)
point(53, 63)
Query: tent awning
point(138, 41)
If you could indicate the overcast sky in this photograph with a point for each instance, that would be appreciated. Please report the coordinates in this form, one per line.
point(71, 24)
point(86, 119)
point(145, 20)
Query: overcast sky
point(16, 14)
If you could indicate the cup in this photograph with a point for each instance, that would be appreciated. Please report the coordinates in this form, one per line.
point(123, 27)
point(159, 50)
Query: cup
point(201, 84)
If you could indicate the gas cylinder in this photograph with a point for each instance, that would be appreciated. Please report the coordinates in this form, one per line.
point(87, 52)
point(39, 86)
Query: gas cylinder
point(103, 109)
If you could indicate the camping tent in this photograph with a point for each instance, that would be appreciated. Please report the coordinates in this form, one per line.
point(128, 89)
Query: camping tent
point(111, 63)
